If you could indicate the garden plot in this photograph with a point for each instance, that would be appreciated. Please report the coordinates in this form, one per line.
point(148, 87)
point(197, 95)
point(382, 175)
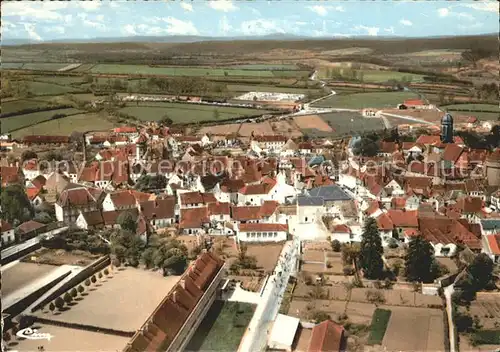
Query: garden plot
point(270, 96)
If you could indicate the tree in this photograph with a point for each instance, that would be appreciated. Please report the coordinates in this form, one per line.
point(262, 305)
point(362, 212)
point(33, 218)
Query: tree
point(52, 155)
point(74, 292)
point(350, 253)
point(87, 282)
point(336, 246)
point(127, 221)
point(6, 336)
point(319, 316)
point(15, 204)
point(371, 250)
point(81, 289)
point(481, 271)
point(419, 260)
point(166, 121)
point(28, 155)
point(52, 306)
point(67, 297)
point(106, 272)
point(317, 292)
point(366, 147)
point(147, 257)
point(93, 279)
point(175, 262)
point(59, 302)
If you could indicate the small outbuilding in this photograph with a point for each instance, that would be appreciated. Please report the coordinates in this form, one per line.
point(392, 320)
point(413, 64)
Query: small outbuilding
point(283, 332)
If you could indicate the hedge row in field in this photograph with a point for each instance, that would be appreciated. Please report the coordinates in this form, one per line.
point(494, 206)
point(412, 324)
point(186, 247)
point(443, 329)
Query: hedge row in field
point(37, 109)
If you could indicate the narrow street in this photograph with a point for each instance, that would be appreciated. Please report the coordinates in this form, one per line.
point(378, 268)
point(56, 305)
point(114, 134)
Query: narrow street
point(448, 292)
point(255, 338)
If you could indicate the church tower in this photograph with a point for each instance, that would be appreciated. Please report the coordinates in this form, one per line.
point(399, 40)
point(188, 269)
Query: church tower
point(447, 129)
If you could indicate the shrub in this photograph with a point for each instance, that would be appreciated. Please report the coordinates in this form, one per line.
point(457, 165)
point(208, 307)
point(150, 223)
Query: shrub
point(52, 306)
point(348, 270)
point(87, 282)
point(336, 246)
point(59, 303)
point(67, 297)
point(80, 289)
point(106, 271)
point(375, 296)
point(99, 275)
point(93, 279)
point(74, 292)
point(393, 243)
point(379, 323)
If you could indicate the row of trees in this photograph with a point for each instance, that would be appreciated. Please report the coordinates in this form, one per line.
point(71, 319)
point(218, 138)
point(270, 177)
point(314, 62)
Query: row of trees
point(420, 263)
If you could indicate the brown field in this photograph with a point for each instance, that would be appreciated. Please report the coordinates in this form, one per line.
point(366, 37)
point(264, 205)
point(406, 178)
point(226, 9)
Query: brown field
point(312, 122)
point(249, 283)
point(313, 256)
point(487, 308)
point(266, 254)
point(414, 329)
point(288, 128)
point(66, 339)
point(318, 246)
point(262, 128)
point(61, 257)
point(221, 130)
point(358, 313)
point(22, 274)
point(398, 297)
point(426, 115)
point(111, 303)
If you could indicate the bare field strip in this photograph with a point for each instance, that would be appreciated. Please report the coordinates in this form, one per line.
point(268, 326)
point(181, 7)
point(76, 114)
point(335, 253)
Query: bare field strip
point(263, 128)
point(312, 122)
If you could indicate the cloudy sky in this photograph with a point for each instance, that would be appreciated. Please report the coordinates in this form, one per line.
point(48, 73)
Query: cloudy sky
point(92, 19)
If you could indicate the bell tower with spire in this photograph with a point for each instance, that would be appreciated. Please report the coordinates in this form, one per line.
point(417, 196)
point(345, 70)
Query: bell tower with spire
point(447, 129)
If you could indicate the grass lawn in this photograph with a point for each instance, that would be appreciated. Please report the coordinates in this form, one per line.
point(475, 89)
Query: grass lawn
point(222, 328)
point(20, 121)
point(473, 107)
point(63, 80)
point(378, 326)
point(42, 88)
point(67, 125)
point(21, 104)
point(365, 100)
point(45, 66)
point(186, 113)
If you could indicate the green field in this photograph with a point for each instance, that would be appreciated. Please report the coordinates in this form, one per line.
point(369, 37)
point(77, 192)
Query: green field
point(191, 71)
point(480, 115)
point(243, 88)
point(376, 76)
point(10, 124)
point(222, 328)
point(63, 80)
point(45, 66)
point(42, 88)
point(83, 68)
point(21, 104)
point(378, 326)
point(473, 107)
point(185, 113)
point(486, 337)
point(365, 100)
point(12, 65)
point(272, 67)
point(67, 125)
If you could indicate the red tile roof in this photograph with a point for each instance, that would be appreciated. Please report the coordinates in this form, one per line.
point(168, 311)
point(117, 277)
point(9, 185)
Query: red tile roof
point(5, 226)
point(245, 213)
point(39, 181)
point(445, 230)
point(9, 174)
point(249, 227)
point(123, 199)
point(197, 198)
point(161, 328)
point(159, 208)
point(76, 197)
point(384, 222)
point(470, 204)
point(275, 138)
point(398, 202)
point(110, 217)
point(414, 102)
point(388, 147)
point(32, 193)
point(452, 152)
point(93, 218)
point(402, 218)
point(327, 337)
point(125, 129)
point(342, 228)
point(193, 218)
point(494, 243)
point(219, 208)
point(29, 226)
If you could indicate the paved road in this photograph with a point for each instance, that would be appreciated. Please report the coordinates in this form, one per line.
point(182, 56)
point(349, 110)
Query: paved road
point(255, 338)
point(448, 291)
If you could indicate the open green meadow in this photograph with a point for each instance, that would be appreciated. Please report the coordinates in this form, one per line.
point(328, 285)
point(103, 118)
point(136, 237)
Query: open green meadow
point(186, 113)
point(12, 65)
point(43, 88)
point(345, 123)
point(192, 71)
point(373, 76)
point(243, 88)
point(473, 107)
point(272, 67)
point(12, 123)
point(222, 328)
point(22, 104)
point(67, 125)
point(45, 66)
point(365, 100)
point(62, 80)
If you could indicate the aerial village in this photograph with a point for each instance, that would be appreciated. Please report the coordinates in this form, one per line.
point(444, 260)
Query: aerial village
point(144, 238)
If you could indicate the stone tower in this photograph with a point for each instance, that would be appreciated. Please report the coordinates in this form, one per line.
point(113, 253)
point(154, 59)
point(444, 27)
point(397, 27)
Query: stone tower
point(447, 129)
